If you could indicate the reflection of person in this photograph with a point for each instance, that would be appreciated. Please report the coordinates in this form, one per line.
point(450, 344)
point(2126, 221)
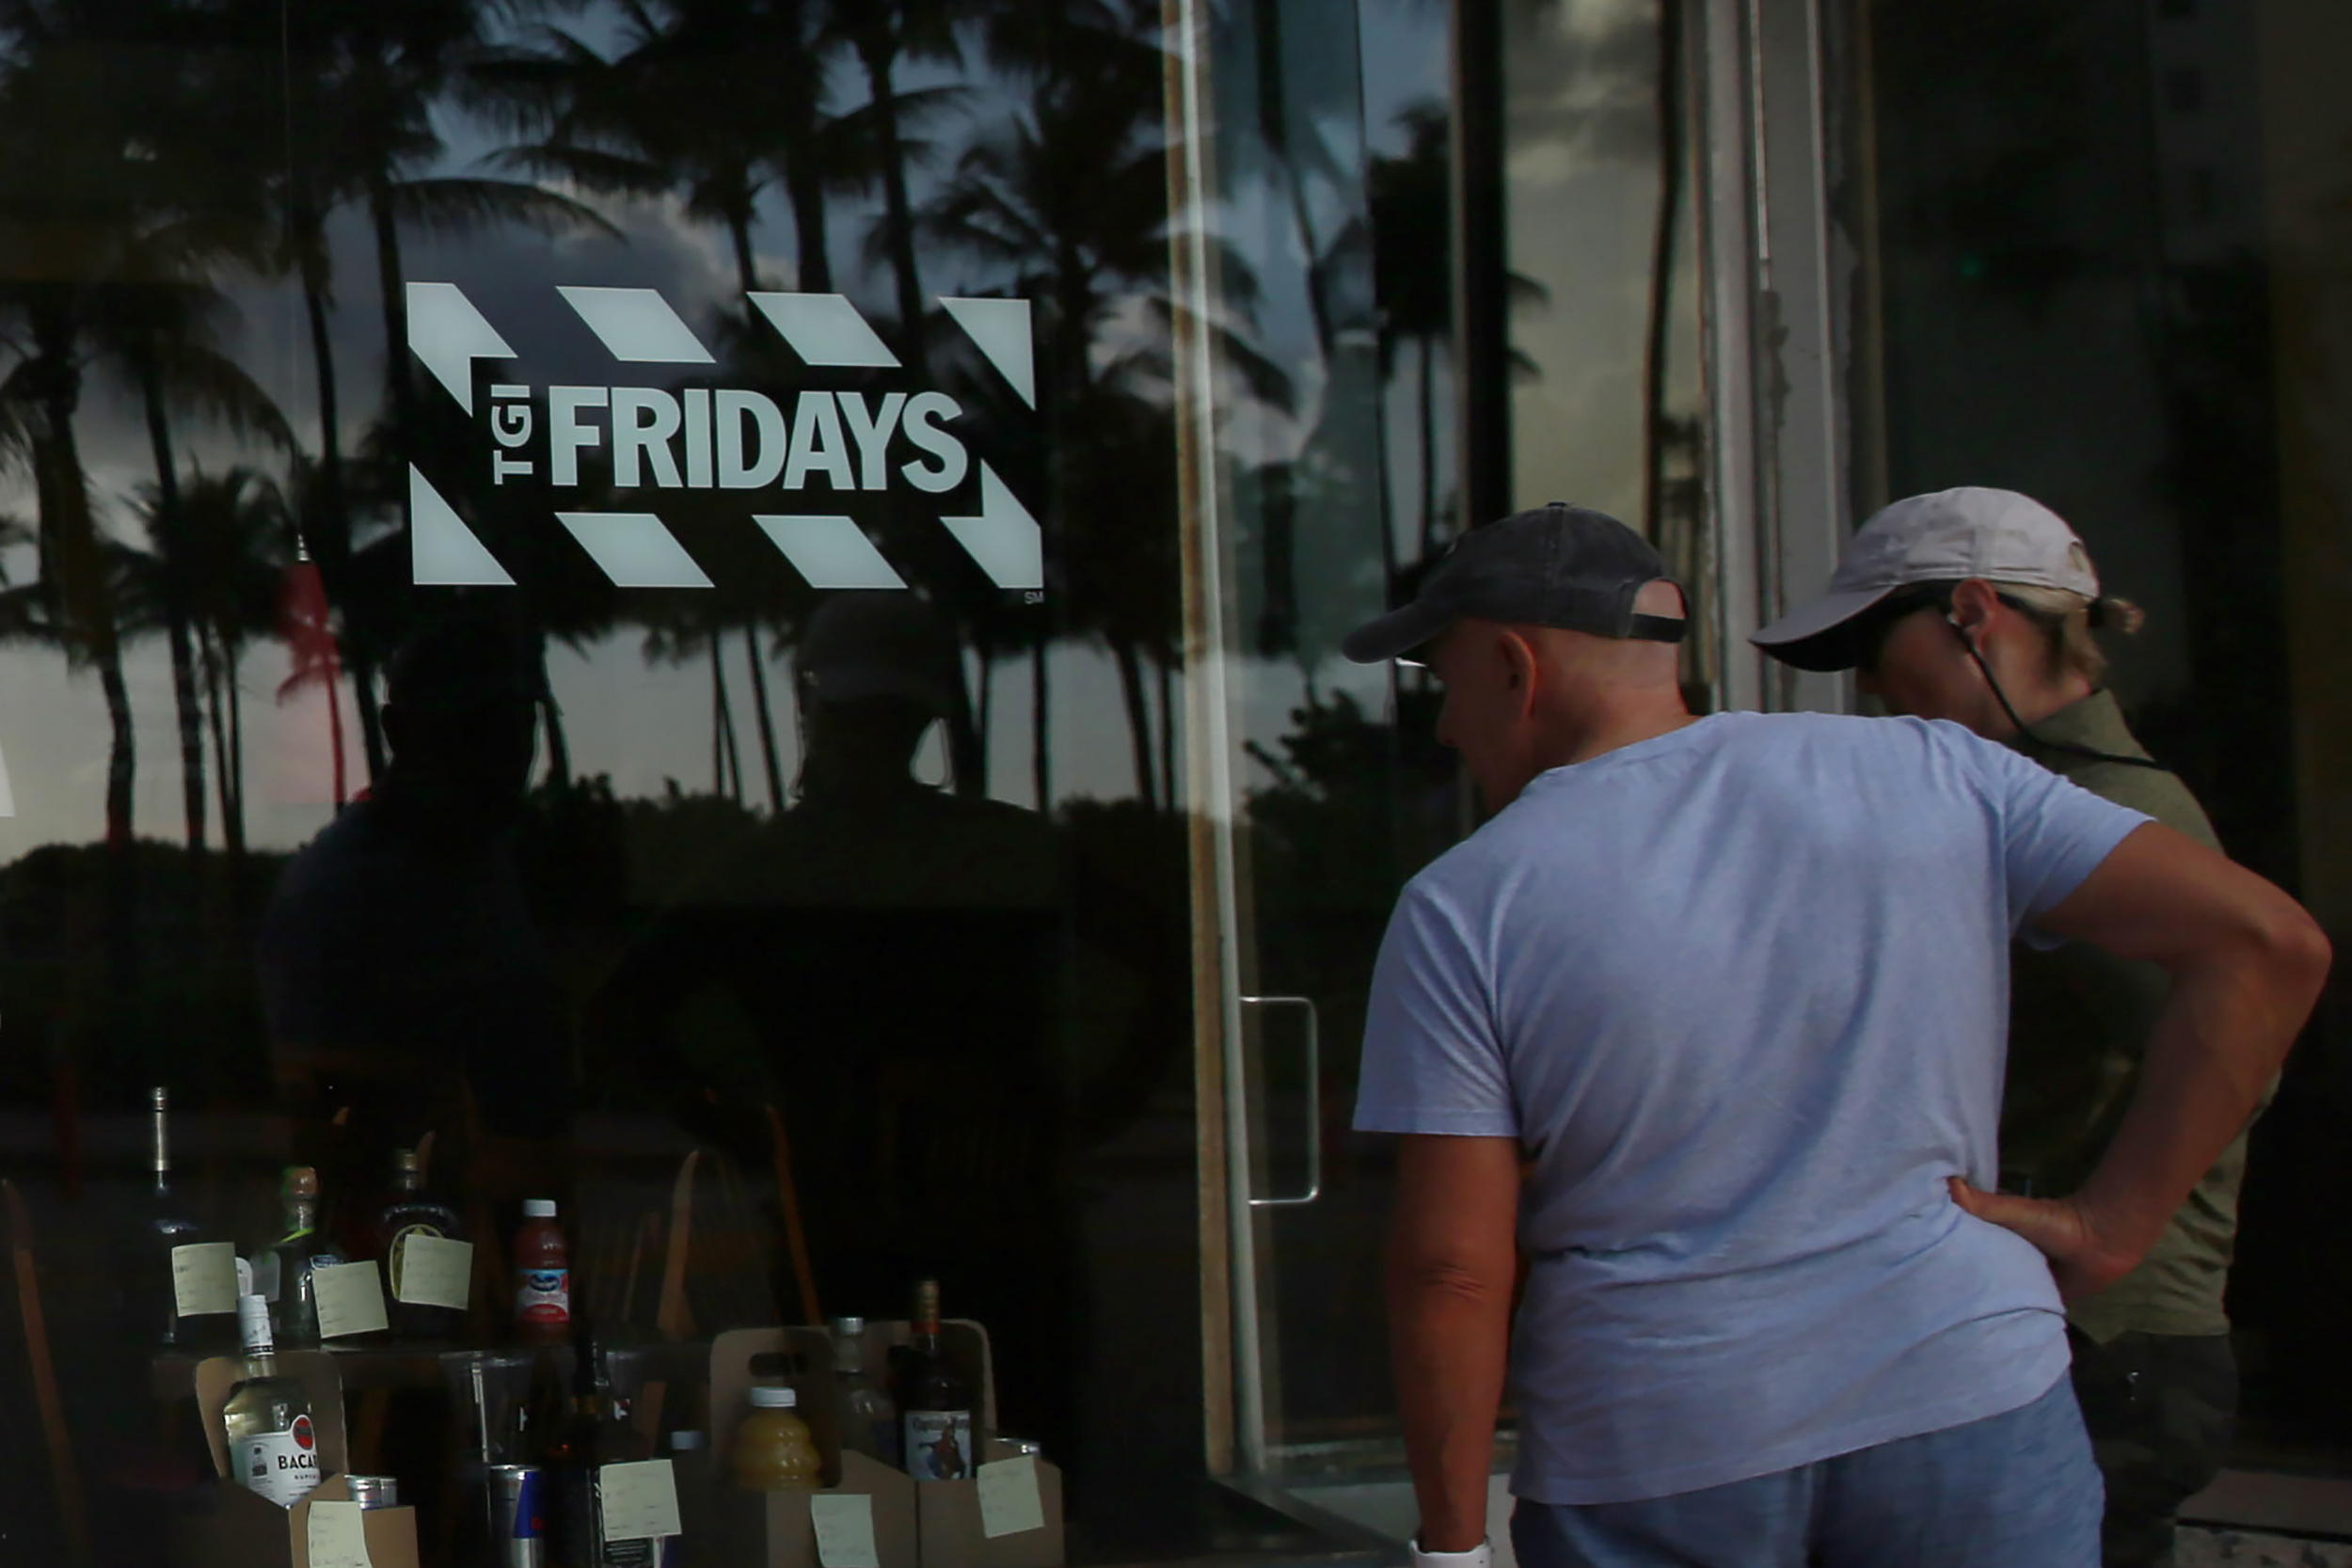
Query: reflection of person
point(1980, 607)
point(1731, 986)
point(398, 956)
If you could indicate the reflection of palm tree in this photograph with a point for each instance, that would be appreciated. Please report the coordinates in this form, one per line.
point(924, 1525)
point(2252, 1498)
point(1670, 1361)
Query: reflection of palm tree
point(1070, 200)
point(214, 559)
point(884, 33)
point(1410, 199)
point(365, 80)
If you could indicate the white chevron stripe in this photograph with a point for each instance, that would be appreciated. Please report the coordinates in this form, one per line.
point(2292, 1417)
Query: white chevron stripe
point(826, 330)
point(1004, 538)
point(636, 325)
point(634, 549)
point(447, 334)
point(1001, 330)
point(442, 550)
point(830, 552)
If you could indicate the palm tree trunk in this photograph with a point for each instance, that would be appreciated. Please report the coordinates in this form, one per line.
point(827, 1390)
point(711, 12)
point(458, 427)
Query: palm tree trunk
point(333, 547)
point(232, 806)
point(1661, 265)
point(1139, 717)
point(172, 549)
point(899, 215)
point(805, 189)
point(392, 286)
point(232, 662)
point(767, 753)
point(726, 754)
point(552, 723)
point(1040, 728)
point(335, 736)
point(984, 718)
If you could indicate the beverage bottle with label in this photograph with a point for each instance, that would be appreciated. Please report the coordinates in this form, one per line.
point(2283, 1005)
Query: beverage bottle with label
point(867, 1415)
point(409, 1212)
point(272, 1447)
point(592, 1434)
point(285, 1272)
point(166, 1223)
point(543, 1277)
point(934, 1401)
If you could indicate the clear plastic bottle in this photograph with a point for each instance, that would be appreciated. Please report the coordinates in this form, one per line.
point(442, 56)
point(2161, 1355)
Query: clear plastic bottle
point(774, 1450)
point(865, 1413)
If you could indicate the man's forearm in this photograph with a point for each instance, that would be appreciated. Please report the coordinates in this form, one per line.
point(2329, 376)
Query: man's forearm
point(1452, 1329)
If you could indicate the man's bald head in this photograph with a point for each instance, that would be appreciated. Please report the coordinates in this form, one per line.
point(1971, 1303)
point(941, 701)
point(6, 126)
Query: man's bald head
point(1523, 699)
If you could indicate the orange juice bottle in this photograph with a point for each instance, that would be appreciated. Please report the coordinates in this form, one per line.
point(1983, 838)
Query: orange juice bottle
point(774, 1450)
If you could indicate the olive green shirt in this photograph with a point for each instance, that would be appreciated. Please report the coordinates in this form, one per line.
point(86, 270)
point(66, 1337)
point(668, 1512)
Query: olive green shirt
point(2079, 1020)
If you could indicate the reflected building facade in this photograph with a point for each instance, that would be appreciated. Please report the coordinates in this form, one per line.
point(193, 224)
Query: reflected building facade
point(908, 466)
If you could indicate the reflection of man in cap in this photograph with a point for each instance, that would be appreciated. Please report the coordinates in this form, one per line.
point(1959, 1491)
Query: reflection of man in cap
point(397, 946)
point(877, 670)
point(1730, 989)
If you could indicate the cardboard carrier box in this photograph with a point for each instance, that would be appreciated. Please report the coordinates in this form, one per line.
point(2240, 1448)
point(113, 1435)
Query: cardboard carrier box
point(229, 1527)
point(868, 1514)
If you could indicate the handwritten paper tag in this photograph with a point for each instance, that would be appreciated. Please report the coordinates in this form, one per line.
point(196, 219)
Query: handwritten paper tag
point(845, 1530)
point(338, 1536)
point(1009, 1501)
point(204, 1279)
point(434, 1270)
point(351, 1299)
point(640, 1500)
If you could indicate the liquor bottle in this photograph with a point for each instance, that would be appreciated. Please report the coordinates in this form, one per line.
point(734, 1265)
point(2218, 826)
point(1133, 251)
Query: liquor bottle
point(271, 1449)
point(934, 1400)
point(166, 1223)
point(592, 1434)
point(865, 1415)
point(300, 1250)
point(409, 1212)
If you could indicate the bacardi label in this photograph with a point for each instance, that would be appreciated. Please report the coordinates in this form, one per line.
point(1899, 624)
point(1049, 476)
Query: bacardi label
point(281, 1466)
point(939, 1443)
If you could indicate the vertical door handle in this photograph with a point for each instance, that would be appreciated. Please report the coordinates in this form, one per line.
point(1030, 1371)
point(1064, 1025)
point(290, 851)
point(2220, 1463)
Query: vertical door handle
point(1314, 1099)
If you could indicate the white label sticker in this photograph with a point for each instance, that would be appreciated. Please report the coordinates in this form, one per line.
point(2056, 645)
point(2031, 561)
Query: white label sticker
point(350, 1299)
point(1011, 1503)
point(204, 1279)
point(845, 1530)
point(338, 1536)
point(638, 1501)
point(432, 1271)
point(280, 1465)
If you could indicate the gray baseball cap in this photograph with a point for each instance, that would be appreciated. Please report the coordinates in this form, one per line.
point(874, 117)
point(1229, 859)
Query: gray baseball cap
point(1558, 565)
point(1948, 536)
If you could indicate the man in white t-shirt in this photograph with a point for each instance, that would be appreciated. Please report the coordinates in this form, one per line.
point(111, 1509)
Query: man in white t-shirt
point(1732, 991)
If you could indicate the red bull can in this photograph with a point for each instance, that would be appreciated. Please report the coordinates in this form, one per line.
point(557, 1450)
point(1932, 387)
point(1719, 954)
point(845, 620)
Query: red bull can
point(519, 1525)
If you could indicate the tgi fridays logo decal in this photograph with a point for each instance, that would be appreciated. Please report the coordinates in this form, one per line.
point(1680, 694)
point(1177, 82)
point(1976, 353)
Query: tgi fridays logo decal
point(722, 439)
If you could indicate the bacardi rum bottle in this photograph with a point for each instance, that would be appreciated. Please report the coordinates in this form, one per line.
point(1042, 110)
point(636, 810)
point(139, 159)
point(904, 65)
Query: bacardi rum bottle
point(934, 1401)
point(272, 1447)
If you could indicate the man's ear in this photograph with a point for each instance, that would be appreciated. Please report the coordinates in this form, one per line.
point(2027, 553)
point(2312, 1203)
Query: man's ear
point(1519, 658)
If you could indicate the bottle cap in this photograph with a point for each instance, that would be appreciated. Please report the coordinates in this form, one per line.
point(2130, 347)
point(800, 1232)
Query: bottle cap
point(775, 1399)
point(539, 1208)
point(301, 1182)
point(405, 1160)
point(160, 1098)
point(253, 1322)
point(687, 1442)
point(848, 1325)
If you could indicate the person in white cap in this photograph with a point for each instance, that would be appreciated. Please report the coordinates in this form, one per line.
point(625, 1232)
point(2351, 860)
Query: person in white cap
point(1981, 607)
point(1707, 1020)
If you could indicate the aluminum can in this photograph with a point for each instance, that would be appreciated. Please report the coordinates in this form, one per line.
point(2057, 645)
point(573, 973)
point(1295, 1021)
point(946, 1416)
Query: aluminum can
point(519, 1524)
point(373, 1490)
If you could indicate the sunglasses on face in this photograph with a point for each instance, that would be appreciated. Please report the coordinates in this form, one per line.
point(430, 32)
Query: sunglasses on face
point(1872, 631)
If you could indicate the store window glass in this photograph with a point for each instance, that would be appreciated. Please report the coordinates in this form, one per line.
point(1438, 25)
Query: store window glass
point(593, 596)
point(2107, 252)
